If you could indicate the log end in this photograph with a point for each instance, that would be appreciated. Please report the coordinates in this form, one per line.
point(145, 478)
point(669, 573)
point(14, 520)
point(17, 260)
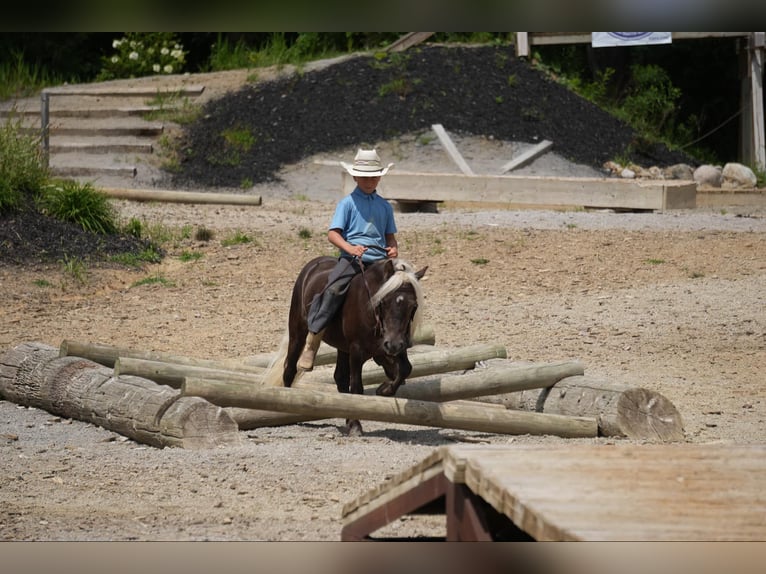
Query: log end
point(200, 424)
point(647, 415)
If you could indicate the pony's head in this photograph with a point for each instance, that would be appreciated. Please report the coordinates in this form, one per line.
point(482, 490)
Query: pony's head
point(398, 303)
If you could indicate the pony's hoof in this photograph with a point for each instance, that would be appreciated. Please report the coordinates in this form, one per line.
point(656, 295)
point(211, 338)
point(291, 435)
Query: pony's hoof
point(385, 390)
point(353, 428)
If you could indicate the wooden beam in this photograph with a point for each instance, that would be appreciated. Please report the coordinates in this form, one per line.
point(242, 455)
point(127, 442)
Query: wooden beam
point(451, 149)
point(407, 41)
point(164, 195)
point(537, 190)
point(527, 157)
point(522, 44)
point(756, 96)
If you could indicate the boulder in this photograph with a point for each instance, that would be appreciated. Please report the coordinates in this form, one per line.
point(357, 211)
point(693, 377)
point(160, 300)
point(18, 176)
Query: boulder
point(708, 176)
point(679, 171)
point(736, 175)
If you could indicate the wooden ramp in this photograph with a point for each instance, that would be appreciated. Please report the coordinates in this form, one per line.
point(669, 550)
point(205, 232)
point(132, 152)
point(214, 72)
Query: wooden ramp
point(713, 492)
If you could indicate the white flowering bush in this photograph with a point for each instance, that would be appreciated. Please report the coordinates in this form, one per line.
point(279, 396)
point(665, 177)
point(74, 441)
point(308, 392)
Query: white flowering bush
point(139, 54)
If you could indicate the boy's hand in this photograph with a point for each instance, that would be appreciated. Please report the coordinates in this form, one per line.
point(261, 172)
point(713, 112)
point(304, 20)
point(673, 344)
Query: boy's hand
point(392, 252)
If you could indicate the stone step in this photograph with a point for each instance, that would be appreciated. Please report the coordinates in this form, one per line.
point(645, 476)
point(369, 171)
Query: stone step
point(100, 147)
point(75, 171)
point(108, 112)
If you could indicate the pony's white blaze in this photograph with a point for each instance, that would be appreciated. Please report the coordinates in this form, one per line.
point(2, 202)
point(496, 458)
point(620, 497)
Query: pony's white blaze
point(405, 273)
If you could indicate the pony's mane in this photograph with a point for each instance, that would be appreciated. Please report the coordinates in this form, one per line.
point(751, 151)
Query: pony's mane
point(404, 273)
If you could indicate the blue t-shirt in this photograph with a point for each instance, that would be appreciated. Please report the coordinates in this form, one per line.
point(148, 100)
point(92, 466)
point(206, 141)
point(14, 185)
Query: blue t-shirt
point(365, 219)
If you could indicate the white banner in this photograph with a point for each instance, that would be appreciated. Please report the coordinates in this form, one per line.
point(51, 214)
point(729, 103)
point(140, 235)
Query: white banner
point(606, 39)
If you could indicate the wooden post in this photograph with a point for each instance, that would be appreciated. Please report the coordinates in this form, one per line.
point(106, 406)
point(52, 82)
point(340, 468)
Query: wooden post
point(621, 410)
point(182, 196)
point(406, 411)
point(451, 149)
point(32, 374)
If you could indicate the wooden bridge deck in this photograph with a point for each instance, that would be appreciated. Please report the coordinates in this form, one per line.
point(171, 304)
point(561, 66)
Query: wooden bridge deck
point(678, 492)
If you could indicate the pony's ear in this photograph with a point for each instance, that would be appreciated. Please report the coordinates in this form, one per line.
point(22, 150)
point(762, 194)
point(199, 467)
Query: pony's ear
point(419, 274)
point(389, 268)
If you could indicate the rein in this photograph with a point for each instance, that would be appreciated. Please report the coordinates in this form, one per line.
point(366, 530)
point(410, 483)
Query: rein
point(375, 313)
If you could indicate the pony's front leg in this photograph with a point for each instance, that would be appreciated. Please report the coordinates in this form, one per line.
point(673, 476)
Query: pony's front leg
point(354, 426)
point(397, 369)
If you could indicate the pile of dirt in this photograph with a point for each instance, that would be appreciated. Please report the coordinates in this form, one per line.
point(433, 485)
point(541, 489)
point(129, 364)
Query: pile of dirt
point(247, 135)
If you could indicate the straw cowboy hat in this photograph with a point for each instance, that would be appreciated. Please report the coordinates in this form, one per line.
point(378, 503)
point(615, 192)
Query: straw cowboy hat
point(366, 164)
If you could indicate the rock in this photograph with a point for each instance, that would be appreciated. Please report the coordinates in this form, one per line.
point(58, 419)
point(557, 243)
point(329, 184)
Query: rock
point(628, 174)
point(736, 175)
point(679, 171)
point(708, 175)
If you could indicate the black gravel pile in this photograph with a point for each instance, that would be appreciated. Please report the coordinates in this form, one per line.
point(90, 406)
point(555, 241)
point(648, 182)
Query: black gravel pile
point(29, 237)
point(470, 90)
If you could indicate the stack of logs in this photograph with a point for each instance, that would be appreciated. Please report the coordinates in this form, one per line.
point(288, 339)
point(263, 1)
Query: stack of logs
point(168, 400)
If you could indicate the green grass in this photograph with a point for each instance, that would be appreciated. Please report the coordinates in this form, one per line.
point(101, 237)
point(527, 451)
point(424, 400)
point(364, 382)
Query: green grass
point(187, 256)
point(19, 79)
point(480, 261)
point(79, 203)
point(42, 283)
point(237, 239)
point(157, 279)
point(653, 261)
point(22, 169)
point(75, 268)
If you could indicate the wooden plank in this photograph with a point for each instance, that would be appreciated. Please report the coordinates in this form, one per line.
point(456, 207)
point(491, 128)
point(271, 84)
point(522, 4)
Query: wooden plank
point(627, 492)
point(756, 95)
point(451, 149)
point(522, 44)
point(527, 157)
point(537, 190)
point(407, 41)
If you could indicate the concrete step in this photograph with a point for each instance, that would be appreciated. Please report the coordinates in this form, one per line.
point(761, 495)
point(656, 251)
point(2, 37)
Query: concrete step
point(100, 147)
point(148, 130)
point(106, 112)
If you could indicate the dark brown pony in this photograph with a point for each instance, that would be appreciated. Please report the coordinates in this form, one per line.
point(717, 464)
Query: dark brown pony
point(379, 315)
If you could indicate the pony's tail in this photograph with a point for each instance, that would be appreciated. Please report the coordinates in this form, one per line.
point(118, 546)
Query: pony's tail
point(272, 377)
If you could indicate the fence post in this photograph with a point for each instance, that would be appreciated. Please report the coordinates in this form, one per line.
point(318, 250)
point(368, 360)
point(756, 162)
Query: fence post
point(45, 124)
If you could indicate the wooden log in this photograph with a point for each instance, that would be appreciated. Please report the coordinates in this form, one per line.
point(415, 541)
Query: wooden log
point(170, 196)
point(404, 411)
point(33, 374)
point(498, 377)
point(621, 410)
point(107, 355)
point(173, 374)
point(326, 355)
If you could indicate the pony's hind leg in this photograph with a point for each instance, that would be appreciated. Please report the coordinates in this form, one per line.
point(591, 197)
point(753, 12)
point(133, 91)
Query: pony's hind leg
point(294, 349)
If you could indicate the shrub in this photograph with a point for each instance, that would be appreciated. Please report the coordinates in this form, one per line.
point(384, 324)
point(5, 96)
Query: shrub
point(80, 203)
point(140, 54)
point(22, 169)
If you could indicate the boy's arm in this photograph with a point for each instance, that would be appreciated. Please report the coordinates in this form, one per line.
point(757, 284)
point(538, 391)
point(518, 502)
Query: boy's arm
point(392, 246)
point(334, 236)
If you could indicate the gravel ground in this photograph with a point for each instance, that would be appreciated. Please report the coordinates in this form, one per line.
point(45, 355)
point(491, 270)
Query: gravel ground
point(671, 301)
